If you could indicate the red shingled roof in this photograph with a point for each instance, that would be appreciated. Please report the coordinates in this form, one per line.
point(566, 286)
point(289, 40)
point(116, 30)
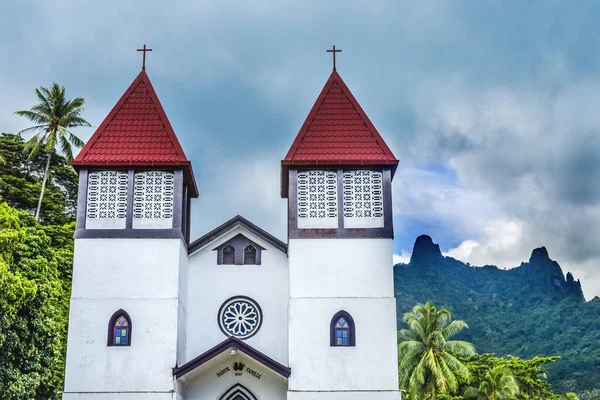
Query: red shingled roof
point(136, 132)
point(337, 132)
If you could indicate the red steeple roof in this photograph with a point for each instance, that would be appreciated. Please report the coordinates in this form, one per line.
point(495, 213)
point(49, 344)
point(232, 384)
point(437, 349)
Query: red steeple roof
point(337, 132)
point(136, 132)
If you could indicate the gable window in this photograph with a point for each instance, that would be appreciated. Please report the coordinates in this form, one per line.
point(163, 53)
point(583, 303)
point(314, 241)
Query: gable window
point(119, 329)
point(239, 250)
point(153, 200)
point(317, 199)
point(250, 255)
point(106, 200)
point(363, 199)
point(342, 330)
point(228, 255)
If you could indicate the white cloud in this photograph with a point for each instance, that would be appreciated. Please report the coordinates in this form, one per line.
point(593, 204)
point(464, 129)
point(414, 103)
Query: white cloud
point(403, 258)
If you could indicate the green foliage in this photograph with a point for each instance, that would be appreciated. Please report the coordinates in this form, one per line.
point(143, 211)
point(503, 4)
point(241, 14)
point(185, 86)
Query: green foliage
point(21, 182)
point(52, 116)
point(498, 383)
point(590, 395)
point(428, 358)
point(35, 272)
point(532, 310)
point(34, 292)
point(528, 374)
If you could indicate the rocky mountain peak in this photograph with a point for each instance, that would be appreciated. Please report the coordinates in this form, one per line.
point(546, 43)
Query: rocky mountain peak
point(425, 251)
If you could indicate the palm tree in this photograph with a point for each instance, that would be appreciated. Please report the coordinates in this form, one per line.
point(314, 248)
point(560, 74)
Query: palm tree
point(497, 384)
point(53, 116)
point(428, 359)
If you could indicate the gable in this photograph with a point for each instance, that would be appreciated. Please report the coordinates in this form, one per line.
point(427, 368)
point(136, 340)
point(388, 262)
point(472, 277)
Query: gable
point(251, 231)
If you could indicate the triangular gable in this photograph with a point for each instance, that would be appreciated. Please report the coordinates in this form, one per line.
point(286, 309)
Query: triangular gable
point(337, 132)
point(238, 220)
point(226, 345)
point(136, 132)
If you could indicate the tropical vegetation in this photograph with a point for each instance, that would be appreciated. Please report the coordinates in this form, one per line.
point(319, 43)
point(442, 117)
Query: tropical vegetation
point(428, 359)
point(533, 310)
point(35, 273)
point(52, 117)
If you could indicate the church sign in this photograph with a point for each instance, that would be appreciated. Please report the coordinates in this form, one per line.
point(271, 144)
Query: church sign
point(238, 367)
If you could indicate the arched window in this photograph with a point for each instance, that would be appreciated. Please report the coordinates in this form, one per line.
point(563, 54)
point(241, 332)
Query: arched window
point(119, 329)
point(342, 332)
point(250, 255)
point(238, 392)
point(228, 255)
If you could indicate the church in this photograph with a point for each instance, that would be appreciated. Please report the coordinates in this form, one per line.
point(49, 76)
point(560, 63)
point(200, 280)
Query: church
point(236, 314)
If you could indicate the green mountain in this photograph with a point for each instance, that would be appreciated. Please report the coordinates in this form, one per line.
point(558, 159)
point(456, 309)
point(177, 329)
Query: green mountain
point(526, 311)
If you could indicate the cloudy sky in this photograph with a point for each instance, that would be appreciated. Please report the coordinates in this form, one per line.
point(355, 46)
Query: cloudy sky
point(492, 107)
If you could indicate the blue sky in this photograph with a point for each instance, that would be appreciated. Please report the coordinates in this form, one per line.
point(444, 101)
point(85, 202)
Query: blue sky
point(491, 106)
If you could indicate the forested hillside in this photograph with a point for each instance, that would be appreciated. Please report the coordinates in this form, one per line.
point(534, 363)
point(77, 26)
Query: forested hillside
point(531, 310)
point(35, 272)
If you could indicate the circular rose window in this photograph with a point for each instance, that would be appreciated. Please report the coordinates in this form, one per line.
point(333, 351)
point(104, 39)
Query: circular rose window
point(240, 316)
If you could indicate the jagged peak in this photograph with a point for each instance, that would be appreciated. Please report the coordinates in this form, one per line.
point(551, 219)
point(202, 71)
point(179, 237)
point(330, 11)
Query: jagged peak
point(424, 249)
point(539, 254)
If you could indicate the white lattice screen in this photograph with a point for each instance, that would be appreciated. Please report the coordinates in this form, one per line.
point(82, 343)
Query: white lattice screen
point(317, 199)
point(363, 199)
point(153, 195)
point(107, 195)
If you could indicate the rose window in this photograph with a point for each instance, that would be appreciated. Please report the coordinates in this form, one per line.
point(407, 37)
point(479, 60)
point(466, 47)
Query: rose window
point(240, 317)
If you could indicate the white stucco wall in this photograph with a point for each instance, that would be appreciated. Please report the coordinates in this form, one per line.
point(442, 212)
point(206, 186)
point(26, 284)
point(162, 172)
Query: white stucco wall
point(121, 396)
point(341, 268)
point(378, 395)
point(326, 276)
point(204, 384)
point(140, 276)
point(209, 285)
point(370, 365)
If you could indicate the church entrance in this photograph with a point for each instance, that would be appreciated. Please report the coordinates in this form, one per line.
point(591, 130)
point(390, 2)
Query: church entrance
point(238, 392)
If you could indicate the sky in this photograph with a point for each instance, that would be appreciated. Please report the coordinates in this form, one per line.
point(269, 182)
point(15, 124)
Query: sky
point(492, 107)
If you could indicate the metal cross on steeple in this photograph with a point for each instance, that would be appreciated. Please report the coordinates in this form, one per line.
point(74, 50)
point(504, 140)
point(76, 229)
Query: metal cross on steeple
point(144, 58)
point(334, 51)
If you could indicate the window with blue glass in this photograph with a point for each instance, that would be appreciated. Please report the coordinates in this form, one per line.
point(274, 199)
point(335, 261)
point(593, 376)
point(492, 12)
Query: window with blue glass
point(119, 329)
point(342, 330)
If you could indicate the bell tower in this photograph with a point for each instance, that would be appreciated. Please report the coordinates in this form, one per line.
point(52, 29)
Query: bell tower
point(337, 178)
point(127, 315)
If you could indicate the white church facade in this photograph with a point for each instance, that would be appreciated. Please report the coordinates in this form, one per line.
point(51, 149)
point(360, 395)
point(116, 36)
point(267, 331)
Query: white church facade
point(237, 314)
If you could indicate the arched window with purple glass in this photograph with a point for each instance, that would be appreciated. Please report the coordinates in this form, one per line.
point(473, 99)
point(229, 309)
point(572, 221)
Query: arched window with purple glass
point(119, 329)
point(342, 331)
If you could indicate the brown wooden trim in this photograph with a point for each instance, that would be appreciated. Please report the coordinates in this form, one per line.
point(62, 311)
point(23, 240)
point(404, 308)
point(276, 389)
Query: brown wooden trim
point(178, 200)
point(239, 242)
point(82, 199)
point(227, 226)
point(387, 232)
point(340, 197)
point(130, 197)
point(351, 330)
point(226, 345)
point(129, 234)
point(110, 341)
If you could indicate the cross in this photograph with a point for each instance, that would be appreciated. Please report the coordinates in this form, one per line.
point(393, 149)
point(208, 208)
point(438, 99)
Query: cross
point(144, 59)
point(334, 51)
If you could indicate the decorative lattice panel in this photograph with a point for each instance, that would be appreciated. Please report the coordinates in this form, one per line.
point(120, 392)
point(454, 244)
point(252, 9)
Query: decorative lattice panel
point(363, 194)
point(107, 195)
point(153, 195)
point(317, 194)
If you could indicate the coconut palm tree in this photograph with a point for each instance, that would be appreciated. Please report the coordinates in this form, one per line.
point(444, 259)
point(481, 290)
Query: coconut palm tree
point(428, 360)
point(497, 384)
point(53, 116)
